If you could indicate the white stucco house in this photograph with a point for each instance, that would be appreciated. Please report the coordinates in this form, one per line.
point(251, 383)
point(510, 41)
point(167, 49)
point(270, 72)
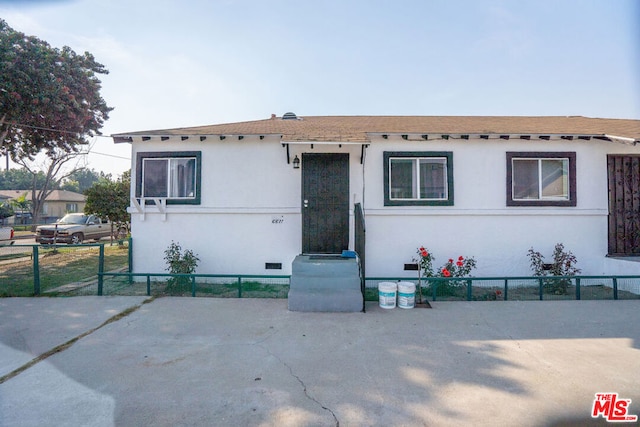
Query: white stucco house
point(249, 197)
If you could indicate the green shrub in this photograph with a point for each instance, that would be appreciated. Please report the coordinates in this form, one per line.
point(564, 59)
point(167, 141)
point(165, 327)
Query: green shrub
point(179, 262)
point(563, 265)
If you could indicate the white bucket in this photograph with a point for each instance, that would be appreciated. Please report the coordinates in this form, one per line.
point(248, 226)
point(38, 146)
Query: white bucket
point(387, 294)
point(406, 295)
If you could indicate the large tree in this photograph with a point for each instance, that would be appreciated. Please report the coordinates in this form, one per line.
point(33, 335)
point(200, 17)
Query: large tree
point(49, 103)
point(56, 168)
point(82, 179)
point(49, 97)
point(19, 179)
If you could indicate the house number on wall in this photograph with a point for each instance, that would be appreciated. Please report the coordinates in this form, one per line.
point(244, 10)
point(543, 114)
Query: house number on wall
point(277, 220)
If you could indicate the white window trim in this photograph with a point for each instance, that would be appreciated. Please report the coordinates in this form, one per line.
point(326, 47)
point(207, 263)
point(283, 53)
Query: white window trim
point(169, 177)
point(541, 197)
point(416, 179)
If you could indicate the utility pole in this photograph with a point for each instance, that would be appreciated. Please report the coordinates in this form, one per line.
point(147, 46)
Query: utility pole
point(4, 133)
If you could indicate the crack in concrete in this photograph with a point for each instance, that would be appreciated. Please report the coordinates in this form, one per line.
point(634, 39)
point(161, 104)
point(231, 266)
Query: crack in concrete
point(71, 342)
point(304, 386)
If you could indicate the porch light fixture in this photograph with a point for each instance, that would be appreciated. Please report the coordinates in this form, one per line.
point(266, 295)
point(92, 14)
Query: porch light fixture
point(296, 162)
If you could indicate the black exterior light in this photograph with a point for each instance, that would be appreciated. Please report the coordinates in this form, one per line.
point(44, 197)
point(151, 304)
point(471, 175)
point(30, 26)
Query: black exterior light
point(296, 162)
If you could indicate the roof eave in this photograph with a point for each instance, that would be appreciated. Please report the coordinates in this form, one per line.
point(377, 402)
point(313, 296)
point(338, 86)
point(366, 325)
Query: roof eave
point(413, 136)
point(128, 138)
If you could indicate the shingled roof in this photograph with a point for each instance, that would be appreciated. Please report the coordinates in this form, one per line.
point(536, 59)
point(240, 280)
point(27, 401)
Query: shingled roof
point(360, 128)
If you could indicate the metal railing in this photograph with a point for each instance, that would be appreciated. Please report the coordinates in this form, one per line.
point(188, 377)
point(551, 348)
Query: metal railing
point(520, 288)
point(28, 270)
point(32, 270)
point(360, 245)
point(194, 285)
point(434, 289)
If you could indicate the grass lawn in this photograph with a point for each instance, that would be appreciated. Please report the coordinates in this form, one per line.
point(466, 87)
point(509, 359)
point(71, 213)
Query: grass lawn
point(57, 268)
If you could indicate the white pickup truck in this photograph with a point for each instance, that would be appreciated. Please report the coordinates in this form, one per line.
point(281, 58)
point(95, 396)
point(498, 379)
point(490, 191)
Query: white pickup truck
point(6, 236)
point(73, 228)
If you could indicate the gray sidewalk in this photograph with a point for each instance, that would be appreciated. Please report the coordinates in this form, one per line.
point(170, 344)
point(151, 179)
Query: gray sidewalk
point(251, 362)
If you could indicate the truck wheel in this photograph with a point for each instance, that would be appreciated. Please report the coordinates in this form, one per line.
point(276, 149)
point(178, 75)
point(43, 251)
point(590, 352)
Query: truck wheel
point(76, 238)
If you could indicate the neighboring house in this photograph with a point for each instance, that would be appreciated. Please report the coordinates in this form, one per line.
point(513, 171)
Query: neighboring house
point(248, 197)
point(3, 200)
point(61, 202)
point(56, 205)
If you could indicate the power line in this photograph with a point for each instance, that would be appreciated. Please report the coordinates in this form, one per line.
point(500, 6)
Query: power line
point(73, 133)
point(109, 155)
point(41, 128)
point(51, 129)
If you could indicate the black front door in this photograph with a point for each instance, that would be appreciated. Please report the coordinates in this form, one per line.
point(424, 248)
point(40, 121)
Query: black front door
point(624, 204)
point(325, 203)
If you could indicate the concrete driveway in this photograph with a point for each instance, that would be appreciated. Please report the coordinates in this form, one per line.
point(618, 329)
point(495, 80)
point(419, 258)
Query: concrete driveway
point(251, 362)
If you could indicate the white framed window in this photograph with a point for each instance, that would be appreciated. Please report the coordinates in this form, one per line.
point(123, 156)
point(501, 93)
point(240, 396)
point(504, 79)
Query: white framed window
point(541, 179)
point(171, 175)
point(418, 178)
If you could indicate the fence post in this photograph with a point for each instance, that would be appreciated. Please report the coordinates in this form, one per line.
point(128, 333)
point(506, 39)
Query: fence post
point(148, 284)
point(130, 260)
point(469, 294)
point(36, 271)
point(239, 287)
point(506, 288)
point(101, 269)
point(541, 287)
point(193, 285)
point(615, 288)
point(577, 288)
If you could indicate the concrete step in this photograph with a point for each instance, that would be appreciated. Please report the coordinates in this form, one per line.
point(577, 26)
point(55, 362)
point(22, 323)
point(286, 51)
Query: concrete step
point(319, 300)
point(328, 283)
point(325, 283)
point(324, 266)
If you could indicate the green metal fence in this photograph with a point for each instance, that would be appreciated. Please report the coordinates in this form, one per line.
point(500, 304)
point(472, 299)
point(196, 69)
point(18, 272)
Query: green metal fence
point(194, 285)
point(104, 269)
point(28, 270)
point(433, 289)
point(517, 288)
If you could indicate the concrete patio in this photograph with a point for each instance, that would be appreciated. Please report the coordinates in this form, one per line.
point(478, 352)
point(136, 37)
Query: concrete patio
point(251, 362)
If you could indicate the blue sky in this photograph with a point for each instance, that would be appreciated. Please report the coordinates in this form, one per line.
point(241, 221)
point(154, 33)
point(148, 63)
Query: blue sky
point(196, 62)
